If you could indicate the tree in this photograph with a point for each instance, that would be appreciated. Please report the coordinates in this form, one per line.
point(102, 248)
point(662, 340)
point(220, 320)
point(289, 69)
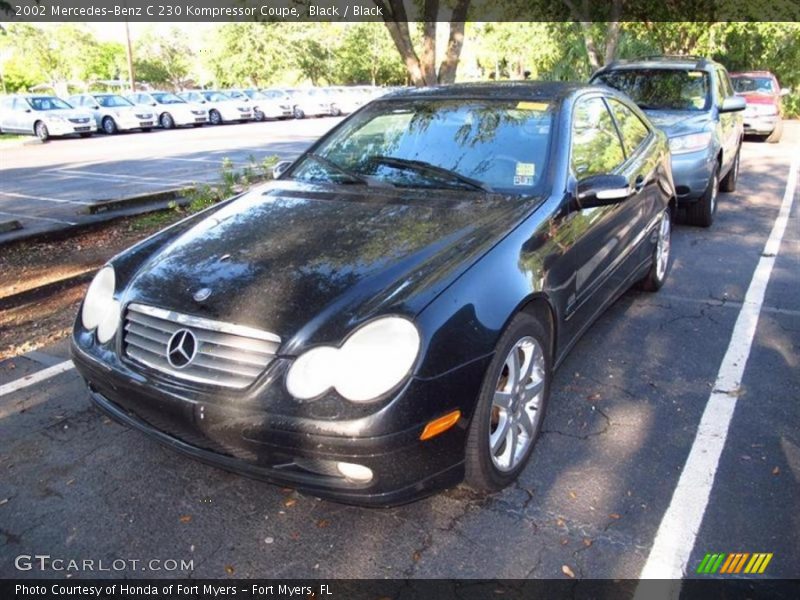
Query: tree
point(366, 54)
point(249, 53)
point(163, 59)
point(600, 39)
point(421, 63)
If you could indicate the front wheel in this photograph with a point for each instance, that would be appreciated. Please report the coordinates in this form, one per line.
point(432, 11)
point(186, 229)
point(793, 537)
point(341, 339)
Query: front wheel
point(513, 398)
point(109, 126)
point(701, 213)
point(299, 114)
point(657, 274)
point(214, 117)
point(167, 122)
point(41, 131)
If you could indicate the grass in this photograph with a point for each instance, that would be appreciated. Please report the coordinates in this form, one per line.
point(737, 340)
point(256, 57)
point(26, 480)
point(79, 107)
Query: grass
point(8, 138)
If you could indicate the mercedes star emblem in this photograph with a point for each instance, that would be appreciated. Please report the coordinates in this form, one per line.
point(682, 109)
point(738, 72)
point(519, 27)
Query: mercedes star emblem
point(202, 294)
point(181, 348)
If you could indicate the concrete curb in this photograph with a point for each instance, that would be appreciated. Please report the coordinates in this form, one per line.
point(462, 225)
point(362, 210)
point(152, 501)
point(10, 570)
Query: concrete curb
point(122, 203)
point(33, 294)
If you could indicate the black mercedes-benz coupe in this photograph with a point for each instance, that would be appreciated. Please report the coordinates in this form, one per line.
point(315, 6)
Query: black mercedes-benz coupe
point(383, 320)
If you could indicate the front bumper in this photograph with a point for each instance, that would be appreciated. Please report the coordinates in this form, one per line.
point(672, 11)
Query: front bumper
point(246, 439)
point(189, 118)
point(691, 173)
point(57, 128)
point(127, 123)
point(761, 125)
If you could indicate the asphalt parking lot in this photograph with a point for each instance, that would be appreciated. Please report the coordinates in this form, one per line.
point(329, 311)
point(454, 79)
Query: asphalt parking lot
point(50, 186)
point(625, 410)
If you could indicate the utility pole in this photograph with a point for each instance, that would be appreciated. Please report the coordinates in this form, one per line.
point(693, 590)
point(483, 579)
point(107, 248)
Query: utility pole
point(130, 57)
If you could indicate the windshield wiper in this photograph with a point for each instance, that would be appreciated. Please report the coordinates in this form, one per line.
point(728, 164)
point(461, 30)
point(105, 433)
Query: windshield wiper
point(354, 177)
point(425, 167)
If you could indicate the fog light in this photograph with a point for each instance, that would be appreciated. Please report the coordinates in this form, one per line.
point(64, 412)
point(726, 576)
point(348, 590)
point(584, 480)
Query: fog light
point(358, 473)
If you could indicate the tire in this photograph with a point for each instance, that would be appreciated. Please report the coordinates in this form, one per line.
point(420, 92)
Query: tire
point(659, 270)
point(299, 114)
point(728, 183)
point(166, 120)
point(109, 126)
point(701, 213)
point(775, 136)
point(41, 131)
point(490, 468)
point(260, 116)
point(214, 117)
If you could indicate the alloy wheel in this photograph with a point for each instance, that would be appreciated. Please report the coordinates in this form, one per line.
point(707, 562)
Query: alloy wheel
point(663, 246)
point(515, 407)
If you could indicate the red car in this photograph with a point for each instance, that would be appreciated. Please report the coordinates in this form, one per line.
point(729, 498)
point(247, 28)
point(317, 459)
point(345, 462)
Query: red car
point(763, 115)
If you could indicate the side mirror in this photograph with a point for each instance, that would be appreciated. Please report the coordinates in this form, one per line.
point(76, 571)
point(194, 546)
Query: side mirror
point(96, 107)
point(280, 168)
point(785, 91)
point(153, 104)
point(602, 190)
point(733, 104)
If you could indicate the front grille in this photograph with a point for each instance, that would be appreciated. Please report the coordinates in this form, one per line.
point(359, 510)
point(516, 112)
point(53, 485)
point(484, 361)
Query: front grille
point(227, 355)
point(79, 120)
point(144, 116)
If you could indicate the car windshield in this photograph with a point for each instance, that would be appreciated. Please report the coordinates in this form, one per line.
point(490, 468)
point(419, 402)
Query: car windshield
point(662, 89)
point(47, 103)
point(745, 85)
point(168, 99)
point(497, 145)
point(254, 95)
point(112, 101)
point(215, 96)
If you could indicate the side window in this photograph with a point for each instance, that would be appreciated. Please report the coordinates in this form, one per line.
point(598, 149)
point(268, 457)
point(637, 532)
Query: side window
point(724, 88)
point(596, 147)
point(633, 130)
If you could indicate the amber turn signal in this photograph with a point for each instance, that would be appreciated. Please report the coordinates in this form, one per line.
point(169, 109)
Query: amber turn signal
point(440, 425)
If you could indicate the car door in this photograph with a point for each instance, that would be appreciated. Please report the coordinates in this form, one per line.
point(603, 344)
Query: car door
point(730, 123)
point(594, 240)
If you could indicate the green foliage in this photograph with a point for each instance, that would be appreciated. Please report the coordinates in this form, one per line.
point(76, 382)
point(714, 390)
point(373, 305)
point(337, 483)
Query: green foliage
point(163, 59)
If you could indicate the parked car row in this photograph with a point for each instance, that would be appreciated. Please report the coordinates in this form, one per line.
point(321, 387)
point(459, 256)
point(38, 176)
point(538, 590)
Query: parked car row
point(46, 116)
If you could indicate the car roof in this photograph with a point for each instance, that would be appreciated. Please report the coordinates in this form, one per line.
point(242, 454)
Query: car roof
point(511, 90)
point(751, 74)
point(663, 61)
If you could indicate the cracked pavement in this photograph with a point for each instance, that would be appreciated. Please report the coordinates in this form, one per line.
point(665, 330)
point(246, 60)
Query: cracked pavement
point(624, 409)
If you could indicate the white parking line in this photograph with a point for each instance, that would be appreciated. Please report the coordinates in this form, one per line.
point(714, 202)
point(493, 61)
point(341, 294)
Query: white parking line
point(680, 525)
point(34, 378)
point(29, 197)
point(19, 216)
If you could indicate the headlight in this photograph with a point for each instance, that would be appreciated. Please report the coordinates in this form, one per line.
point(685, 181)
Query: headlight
point(371, 362)
point(56, 119)
point(100, 309)
point(689, 143)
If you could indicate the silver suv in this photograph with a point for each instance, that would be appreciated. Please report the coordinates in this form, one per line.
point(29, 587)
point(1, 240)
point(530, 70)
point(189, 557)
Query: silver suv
point(692, 100)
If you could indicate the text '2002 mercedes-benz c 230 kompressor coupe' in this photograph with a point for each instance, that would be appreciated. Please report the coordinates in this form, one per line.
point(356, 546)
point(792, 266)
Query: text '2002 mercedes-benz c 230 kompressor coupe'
point(383, 320)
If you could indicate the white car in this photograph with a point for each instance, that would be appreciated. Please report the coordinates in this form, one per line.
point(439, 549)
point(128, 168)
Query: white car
point(346, 100)
point(221, 107)
point(113, 113)
point(44, 117)
point(264, 107)
point(171, 110)
point(310, 102)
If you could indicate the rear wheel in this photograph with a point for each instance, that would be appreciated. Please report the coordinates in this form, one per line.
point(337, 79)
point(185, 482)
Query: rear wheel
point(775, 136)
point(167, 122)
point(41, 131)
point(728, 183)
point(657, 275)
point(702, 212)
point(508, 417)
point(109, 126)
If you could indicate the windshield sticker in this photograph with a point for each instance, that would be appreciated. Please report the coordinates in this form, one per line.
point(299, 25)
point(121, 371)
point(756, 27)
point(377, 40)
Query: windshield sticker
point(540, 106)
point(524, 173)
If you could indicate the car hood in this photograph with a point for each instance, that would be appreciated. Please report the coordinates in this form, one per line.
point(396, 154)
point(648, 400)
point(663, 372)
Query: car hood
point(679, 122)
point(68, 113)
point(755, 98)
point(310, 262)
